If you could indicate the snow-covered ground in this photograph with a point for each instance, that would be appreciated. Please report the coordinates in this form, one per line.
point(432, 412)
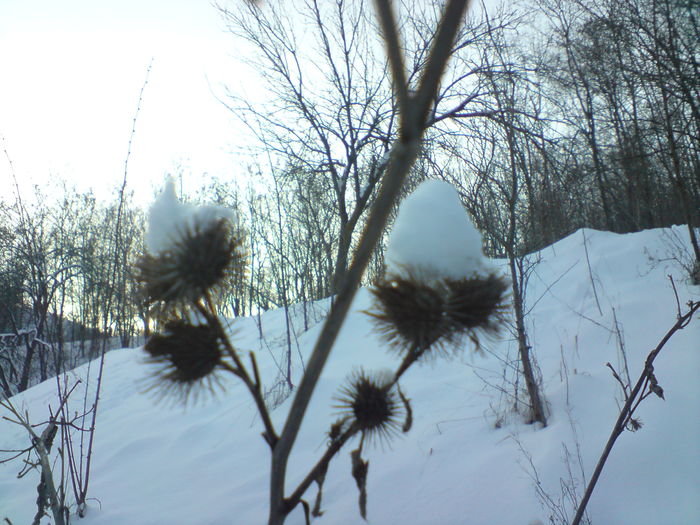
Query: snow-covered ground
point(468, 459)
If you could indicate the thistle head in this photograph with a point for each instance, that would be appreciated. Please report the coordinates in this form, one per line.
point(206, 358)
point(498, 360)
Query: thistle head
point(187, 356)
point(200, 260)
point(372, 404)
point(476, 304)
point(409, 312)
point(417, 311)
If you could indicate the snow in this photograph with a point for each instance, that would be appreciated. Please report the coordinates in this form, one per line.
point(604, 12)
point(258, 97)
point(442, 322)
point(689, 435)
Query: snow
point(168, 218)
point(434, 234)
point(466, 460)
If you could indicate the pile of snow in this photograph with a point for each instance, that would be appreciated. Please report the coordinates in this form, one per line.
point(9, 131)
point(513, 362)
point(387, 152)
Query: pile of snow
point(169, 219)
point(434, 234)
point(469, 460)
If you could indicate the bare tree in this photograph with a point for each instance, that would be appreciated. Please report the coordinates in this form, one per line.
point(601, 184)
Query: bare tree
point(43, 253)
point(331, 112)
point(625, 76)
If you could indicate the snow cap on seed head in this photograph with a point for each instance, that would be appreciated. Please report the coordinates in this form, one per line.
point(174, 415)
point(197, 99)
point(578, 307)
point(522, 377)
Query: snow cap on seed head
point(169, 219)
point(191, 251)
point(434, 233)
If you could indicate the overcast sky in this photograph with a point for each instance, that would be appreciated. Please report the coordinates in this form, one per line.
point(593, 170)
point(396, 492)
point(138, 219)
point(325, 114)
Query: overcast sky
point(70, 76)
point(71, 72)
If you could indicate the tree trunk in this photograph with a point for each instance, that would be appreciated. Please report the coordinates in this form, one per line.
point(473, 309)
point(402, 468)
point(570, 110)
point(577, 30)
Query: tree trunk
point(537, 411)
point(26, 368)
point(341, 260)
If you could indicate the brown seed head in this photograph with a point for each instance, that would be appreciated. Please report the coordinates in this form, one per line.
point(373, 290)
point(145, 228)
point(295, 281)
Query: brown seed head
point(372, 403)
point(201, 261)
point(419, 312)
point(410, 313)
point(477, 303)
point(188, 355)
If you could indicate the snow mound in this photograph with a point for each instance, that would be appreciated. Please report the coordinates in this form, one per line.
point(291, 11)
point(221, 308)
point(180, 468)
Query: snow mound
point(433, 232)
point(468, 460)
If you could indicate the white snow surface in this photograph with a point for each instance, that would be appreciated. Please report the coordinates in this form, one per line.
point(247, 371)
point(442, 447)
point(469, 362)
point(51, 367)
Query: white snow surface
point(169, 219)
point(434, 234)
point(467, 460)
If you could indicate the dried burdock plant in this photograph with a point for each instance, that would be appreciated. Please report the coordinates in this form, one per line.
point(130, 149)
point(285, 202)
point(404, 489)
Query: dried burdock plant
point(373, 406)
point(200, 260)
point(409, 313)
point(371, 403)
point(360, 467)
point(477, 304)
point(187, 357)
point(189, 261)
point(423, 316)
point(429, 303)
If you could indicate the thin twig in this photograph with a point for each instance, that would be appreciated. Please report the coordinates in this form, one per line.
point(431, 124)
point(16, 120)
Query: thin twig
point(321, 466)
point(675, 293)
point(42, 445)
point(619, 380)
point(439, 55)
point(590, 272)
point(88, 460)
point(240, 371)
point(120, 208)
point(630, 406)
point(387, 19)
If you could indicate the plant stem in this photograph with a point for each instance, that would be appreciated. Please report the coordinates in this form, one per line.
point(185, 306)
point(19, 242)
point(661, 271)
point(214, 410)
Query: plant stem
point(628, 409)
point(403, 155)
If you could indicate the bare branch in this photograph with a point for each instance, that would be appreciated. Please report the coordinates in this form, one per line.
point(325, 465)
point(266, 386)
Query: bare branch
point(387, 20)
point(630, 406)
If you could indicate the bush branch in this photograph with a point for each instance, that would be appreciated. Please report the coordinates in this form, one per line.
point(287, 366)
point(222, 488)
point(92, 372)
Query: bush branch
point(631, 404)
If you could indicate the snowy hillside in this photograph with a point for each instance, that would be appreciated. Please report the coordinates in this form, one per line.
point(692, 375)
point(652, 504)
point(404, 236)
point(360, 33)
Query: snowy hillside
point(469, 460)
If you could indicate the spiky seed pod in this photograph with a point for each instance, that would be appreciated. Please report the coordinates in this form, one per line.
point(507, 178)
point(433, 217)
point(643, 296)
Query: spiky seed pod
point(410, 313)
point(201, 260)
point(476, 304)
point(187, 354)
point(371, 402)
point(421, 312)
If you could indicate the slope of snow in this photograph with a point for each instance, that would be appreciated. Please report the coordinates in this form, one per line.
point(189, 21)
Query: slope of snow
point(468, 459)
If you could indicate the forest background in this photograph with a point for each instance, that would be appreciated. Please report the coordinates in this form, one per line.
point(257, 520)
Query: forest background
point(553, 115)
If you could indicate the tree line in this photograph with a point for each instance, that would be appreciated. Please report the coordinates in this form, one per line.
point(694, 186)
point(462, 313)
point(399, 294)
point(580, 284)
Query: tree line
point(552, 115)
point(61, 297)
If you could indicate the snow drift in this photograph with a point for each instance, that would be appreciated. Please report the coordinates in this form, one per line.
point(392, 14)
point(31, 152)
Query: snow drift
point(469, 459)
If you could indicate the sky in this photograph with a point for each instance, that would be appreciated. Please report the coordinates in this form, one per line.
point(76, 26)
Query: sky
point(72, 72)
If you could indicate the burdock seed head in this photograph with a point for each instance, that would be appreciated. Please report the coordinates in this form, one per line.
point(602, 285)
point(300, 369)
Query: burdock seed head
point(423, 315)
point(187, 354)
point(200, 260)
point(372, 403)
point(410, 313)
point(476, 304)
